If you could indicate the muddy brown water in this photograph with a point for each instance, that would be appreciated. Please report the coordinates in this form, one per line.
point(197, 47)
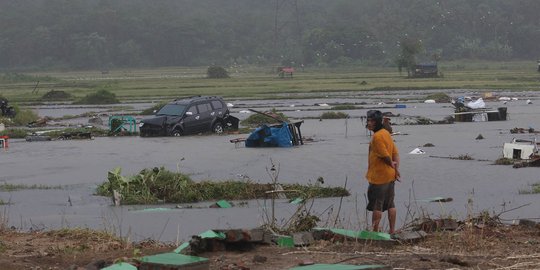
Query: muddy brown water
point(338, 153)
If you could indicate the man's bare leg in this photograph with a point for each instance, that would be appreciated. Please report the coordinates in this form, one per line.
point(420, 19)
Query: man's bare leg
point(392, 219)
point(376, 219)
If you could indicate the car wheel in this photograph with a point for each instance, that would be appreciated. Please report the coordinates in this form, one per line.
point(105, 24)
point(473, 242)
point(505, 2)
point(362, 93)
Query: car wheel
point(218, 128)
point(176, 133)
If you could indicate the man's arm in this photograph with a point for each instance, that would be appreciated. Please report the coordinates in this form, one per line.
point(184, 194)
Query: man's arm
point(395, 163)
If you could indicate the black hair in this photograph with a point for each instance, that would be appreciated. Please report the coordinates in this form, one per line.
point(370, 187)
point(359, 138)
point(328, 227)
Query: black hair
point(378, 117)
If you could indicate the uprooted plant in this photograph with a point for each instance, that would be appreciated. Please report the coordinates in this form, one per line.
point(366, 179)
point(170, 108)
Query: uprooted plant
point(303, 219)
point(161, 185)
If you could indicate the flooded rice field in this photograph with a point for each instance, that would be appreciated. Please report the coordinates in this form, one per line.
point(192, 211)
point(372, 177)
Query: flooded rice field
point(337, 153)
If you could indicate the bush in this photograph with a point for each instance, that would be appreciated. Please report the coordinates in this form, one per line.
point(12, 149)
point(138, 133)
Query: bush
point(344, 107)
point(24, 117)
point(16, 133)
point(215, 72)
point(100, 97)
point(259, 119)
point(56, 95)
point(334, 115)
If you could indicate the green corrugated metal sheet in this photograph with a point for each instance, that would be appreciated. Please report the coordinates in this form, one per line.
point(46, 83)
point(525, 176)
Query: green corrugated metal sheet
point(359, 234)
point(172, 259)
point(120, 266)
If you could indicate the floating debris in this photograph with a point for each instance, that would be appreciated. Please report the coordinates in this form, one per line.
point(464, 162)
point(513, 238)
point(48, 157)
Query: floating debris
point(417, 151)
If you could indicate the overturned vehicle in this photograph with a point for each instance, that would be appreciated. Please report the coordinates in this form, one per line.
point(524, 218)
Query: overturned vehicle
point(282, 134)
point(191, 115)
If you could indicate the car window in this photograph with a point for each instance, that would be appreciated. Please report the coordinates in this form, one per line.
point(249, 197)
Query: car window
point(204, 107)
point(172, 109)
point(193, 109)
point(217, 104)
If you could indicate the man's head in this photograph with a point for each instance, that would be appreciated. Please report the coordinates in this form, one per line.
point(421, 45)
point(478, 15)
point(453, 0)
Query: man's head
point(374, 120)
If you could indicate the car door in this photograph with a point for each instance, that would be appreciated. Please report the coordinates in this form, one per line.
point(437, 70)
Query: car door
point(205, 116)
point(191, 120)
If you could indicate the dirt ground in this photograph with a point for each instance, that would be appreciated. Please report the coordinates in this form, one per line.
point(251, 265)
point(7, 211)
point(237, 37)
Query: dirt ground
point(472, 247)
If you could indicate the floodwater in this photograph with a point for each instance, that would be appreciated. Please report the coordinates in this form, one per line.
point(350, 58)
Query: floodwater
point(337, 153)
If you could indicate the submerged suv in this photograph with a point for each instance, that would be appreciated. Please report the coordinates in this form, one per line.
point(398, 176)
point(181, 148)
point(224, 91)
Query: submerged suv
point(190, 115)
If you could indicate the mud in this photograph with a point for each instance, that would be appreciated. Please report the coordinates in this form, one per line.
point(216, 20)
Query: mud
point(338, 153)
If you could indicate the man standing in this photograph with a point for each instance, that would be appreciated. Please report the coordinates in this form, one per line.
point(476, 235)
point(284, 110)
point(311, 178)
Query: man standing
point(383, 171)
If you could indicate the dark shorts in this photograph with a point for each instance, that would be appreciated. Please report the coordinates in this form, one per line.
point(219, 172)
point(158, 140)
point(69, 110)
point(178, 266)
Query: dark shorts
point(380, 197)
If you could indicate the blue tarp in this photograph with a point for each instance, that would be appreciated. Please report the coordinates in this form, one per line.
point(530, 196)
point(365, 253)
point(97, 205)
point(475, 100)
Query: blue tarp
point(266, 136)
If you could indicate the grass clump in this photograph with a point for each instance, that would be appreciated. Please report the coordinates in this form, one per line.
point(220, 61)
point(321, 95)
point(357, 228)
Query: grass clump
point(534, 189)
point(13, 77)
point(504, 161)
point(56, 95)
point(440, 97)
point(344, 107)
point(22, 117)
point(216, 72)
point(150, 111)
point(15, 133)
point(464, 157)
point(100, 97)
point(260, 119)
point(15, 187)
point(161, 185)
point(419, 120)
point(334, 115)
point(95, 131)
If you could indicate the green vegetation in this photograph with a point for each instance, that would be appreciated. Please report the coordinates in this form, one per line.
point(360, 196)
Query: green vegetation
point(24, 116)
point(215, 72)
point(151, 110)
point(56, 95)
point(203, 33)
point(160, 185)
point(334, 115)
point(15, 133)
point(94, 130)
point(534, 189)
point(440, 97)
point(257, 119)
point(15, 187)
point(344, 107)
point(100, 97)
point(504, 161)
point(256, 82)
point(419, 120)
point(12, 77)
point(20, 133)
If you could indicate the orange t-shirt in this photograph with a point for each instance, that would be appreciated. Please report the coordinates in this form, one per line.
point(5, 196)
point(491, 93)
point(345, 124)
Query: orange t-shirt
point(381, 146)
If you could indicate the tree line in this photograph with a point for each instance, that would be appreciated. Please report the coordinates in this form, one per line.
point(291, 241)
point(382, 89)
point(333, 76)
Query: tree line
point(100, 34)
